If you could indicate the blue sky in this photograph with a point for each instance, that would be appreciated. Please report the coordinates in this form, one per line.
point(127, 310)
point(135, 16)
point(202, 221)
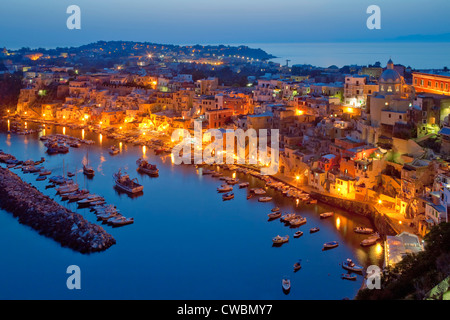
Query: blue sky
point(42, 23)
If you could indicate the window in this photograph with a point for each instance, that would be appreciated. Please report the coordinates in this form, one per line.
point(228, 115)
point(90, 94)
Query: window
point(421, 83)
point(389, 115)
point(415, 81)
point(429, 83)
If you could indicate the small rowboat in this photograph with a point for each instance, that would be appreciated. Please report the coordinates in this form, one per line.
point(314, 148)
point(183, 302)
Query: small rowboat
point(275, 209)
point(286, 284)
point(363, 230)
point(265, 199)
point(298, 234)
point(228, 196)
point(347, 276)
point(326, 215)
point(274, 215)
point(313, 230)
point(351, 266)
point(298, 221)
point(279, 240)
point(330, 245)
point(297, 265)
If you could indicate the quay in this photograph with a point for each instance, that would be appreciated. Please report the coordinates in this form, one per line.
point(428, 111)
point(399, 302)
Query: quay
point(50, 218)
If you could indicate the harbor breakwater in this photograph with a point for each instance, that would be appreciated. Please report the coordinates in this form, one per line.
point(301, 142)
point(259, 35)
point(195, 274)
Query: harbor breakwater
point(49, 218)
point(381, 222)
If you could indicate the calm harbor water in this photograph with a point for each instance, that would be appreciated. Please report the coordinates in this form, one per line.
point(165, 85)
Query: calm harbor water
point(185, 243)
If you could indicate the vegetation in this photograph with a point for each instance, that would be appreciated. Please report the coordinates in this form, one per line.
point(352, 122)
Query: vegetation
point(417, 274)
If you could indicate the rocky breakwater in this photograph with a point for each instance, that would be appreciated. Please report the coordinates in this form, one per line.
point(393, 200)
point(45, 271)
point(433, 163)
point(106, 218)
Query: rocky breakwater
point(50, 218)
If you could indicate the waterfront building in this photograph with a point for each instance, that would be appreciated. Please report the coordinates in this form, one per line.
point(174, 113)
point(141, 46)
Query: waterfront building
point(432, 82)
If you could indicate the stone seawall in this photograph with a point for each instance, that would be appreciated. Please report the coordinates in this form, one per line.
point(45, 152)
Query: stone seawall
point(49, 218)
point(380, 220)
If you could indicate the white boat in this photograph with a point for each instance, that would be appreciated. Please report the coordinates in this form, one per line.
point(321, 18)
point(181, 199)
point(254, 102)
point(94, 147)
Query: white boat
point(286, 285)
point(288, 216)
point(330, 245)
point(326, 215)
point(298, 265)
point(298, 234)
point(224, 188)
point(243, 185)
point(363, 230)
point(298, 221)
point(67, 188)
point(146, 167)
point(351, 266)
point(279, 240)
point(265, 199)
point(89, 199)
point(373, 239)
point(228, 196)
point(259, 191)
point(274, 215)
point(125, 183)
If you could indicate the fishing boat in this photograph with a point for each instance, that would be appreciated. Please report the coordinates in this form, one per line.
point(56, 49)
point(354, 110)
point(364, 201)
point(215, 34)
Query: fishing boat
point(274, 215)
point(224, 188)
point(363, 230)
point(298, 234)
point(205, 172)
point(286, 285)
point(330, 245)
point(228, 196)
point(313, 230)
point(145, 167)
point(70, 174)
point(373, 239)
point(347, 276)
point(326, 215)
point(249, 196)
point(280, 240)
point(75, 144)
point(123, 182)
point(41, 178)
point(114, 150)
point(88, 171)
point(275, 209)
point(265, 199)
point(298, 265)
point(298, 221)
point(351, 266)
point(243, 185)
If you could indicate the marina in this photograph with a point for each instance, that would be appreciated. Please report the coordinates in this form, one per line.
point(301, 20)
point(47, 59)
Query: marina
point(199, 208)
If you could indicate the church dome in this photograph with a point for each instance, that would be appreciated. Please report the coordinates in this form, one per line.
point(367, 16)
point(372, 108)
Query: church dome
point(390, 75)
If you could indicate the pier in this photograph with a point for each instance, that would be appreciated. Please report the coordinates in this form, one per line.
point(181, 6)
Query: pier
point(49, 218)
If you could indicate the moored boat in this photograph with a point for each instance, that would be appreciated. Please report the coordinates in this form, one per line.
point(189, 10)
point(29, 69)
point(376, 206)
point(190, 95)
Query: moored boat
point(363, 230)
point(146, 167)
point(125, 183)
point(265, 199)
point(297, 221)
point(224, 188)
point(330, 245)
point(313, 230)
point(228, 196)
point(279, 240)
point(370, 241)
point(326, 215)
point(347, 276)
point(351, 266)
point(298, 265)
point(274, 215)
point(286, 285)
point(298, 234)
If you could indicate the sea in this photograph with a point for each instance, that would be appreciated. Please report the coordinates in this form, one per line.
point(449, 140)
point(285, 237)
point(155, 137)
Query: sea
point(417, 55)
point(186, 243)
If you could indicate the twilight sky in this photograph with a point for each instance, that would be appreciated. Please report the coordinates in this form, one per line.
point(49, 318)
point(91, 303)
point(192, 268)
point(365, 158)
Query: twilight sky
point(42, 23)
